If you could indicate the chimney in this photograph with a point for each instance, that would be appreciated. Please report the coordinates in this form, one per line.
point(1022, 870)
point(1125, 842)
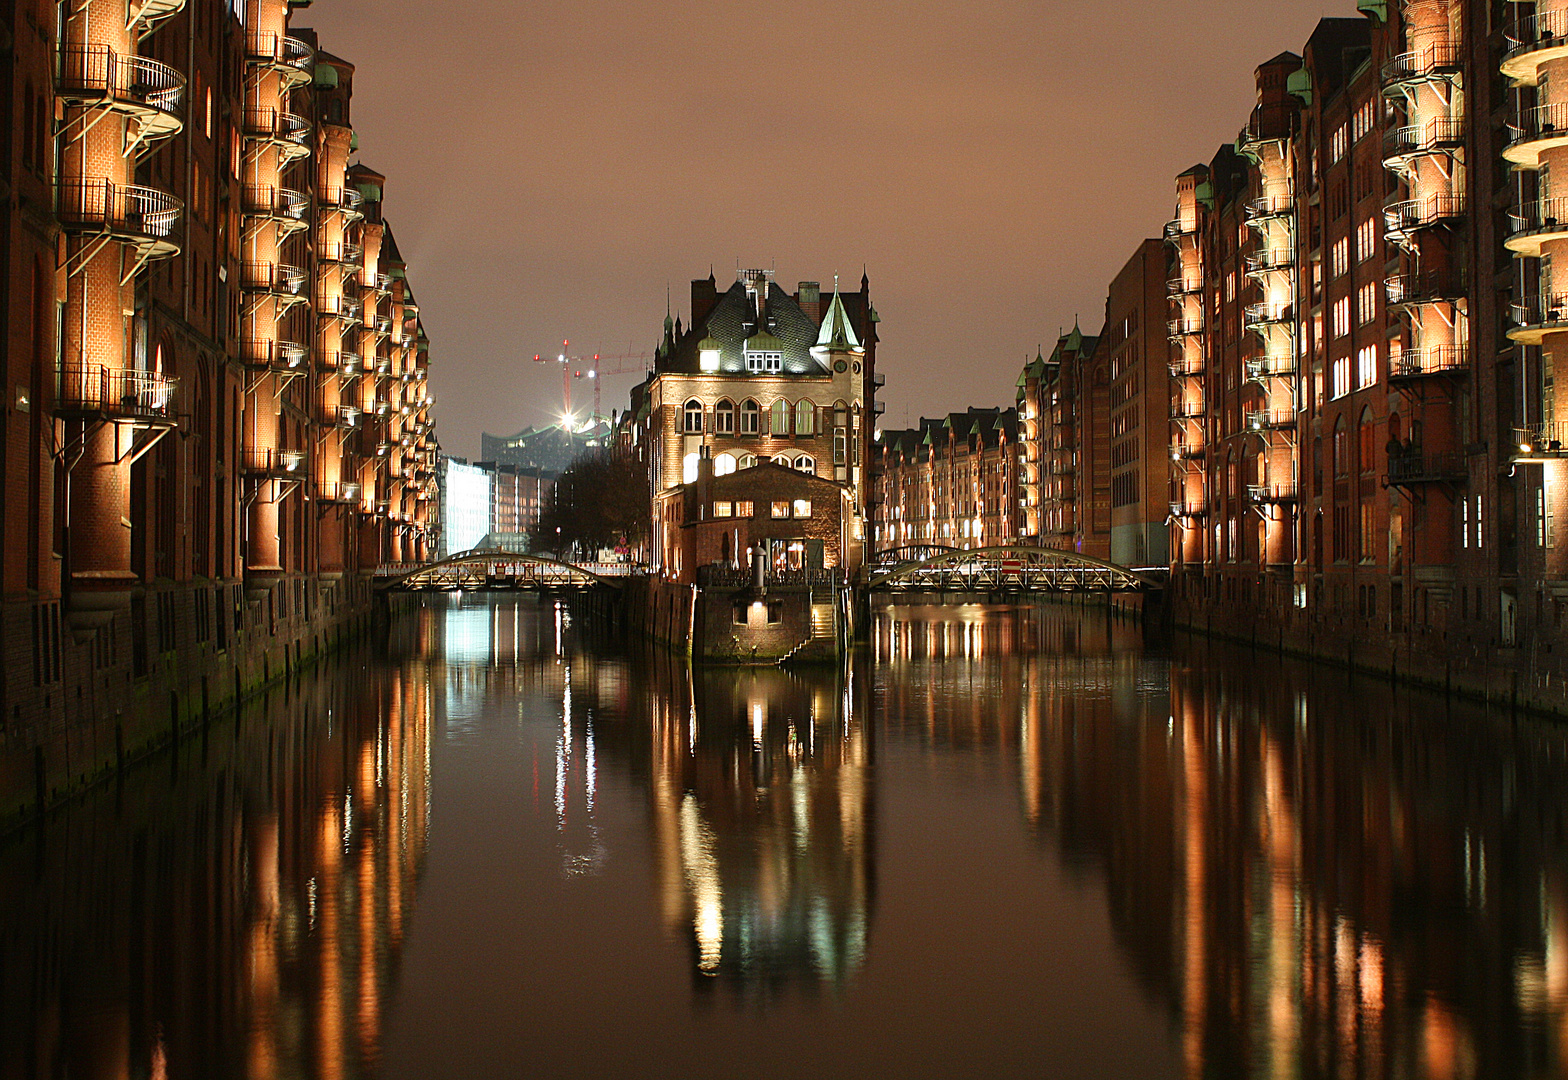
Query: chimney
point(808, 294)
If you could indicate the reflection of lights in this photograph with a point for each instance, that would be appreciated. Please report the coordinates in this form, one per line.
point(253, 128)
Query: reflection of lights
point(702, 878)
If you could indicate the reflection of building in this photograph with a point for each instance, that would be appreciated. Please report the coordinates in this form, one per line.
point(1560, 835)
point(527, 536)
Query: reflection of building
point(764, 826)
point(246, 920)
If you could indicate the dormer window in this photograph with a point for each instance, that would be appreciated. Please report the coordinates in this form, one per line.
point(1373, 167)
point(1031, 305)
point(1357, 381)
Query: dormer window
point(766, 362)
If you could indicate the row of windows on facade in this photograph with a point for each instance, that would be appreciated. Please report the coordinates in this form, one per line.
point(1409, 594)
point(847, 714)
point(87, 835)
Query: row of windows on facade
point(723, 415)
point(724, 464)
point(779, 509)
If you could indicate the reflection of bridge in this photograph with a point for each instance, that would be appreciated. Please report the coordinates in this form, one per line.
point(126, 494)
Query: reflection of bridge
point(1009, 569)
point(483, 569)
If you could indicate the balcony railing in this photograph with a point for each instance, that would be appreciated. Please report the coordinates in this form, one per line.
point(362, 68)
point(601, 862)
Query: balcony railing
point(141, 215)
point(1270, 261)
point(1430, 287)
point(1186, 451)
point(1441, 58)
point(1271, 367)
point(1189, 509)
point(1282, 204)
point(340, 416)
point(1178, 227)
point(340, 307)
point(1432, 360)
point(1266, 124)
point(1544, 30)
point(1270, 419)
point(277, 279)
point(1546, 440)
point(264, 200)
point(1440, 133)
point(272, 462)
point(1403, 218)
point(1187, 368)
point(96, 74)
point(1411, 466)
point(342, 492)
point(1192, 324)
point(291, 57)
point(279, 356)
point(1539, 122)
point(119, 394)
point(1269, 314)
point(1272, 494)
point(1187, 408)
point(342, 363)
point(289, 132)
point(345, 253)
point(1537, 311)
point(1183, 286)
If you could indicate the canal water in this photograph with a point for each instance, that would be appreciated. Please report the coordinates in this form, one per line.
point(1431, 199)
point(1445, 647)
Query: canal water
point(1003, 842)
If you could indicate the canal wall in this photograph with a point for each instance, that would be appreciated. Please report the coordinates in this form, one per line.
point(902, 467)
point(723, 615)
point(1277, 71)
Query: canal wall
point(733, 624)
point(1526, 676)
point(73, 713)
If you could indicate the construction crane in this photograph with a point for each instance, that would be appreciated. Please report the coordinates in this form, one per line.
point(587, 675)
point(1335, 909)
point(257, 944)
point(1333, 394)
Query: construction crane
point(591, 368)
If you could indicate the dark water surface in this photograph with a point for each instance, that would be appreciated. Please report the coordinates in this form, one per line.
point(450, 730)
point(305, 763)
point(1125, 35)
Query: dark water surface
point(1008, 842)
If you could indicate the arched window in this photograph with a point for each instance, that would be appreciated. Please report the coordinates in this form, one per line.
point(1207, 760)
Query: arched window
point(778, 418)
point(750, 417)
point(724, 464)
point(1341, 449)
point(805, 417)
point(748, 461)
point(724, 415)
point(1367, 438)
point(693, 424)
point(806, 464)
point(689, 469)
point(783, 459)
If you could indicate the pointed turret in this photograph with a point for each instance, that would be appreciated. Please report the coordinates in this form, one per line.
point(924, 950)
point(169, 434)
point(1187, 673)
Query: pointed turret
point(837, 334)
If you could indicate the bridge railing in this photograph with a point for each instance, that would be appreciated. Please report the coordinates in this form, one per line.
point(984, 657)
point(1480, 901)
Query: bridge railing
point(733, 577)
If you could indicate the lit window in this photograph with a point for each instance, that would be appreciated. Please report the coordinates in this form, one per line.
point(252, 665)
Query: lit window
point(743, 509)
point(781, 508)
point(748, 461)
point(1339, 258)
point(689, 469)
point(778, 418)
point(1366, 366)
point(803, 508)
point(1341, 313)
point(724, 417)
point(723, 509)
point(766, 362)
point(724, 464)
point(693, 423)
point(750, 417)
point(1341, 376)
point(805, 417)
point(806, 464)
point(1366, 303)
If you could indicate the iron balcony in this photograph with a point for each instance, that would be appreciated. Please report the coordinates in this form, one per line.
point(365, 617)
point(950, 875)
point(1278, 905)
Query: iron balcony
point(151, 92)
point(277, 280)
point(122, 395)
point(272, 463)
point(290, 134)
point(1536, 316)
point(283, 357)
point(1533, 41)
point(1440, 60)
point(1272, 494)
point(1535, 222)
point(1188, 509)
point(1270, 419)
point(1541, 442)
point(1430, 361)
point(143, 217)
point(1438, 135)
point(1411, 467)
point(1402, 219)
point(291, 58)
point(338, 492)
point(1271, 367)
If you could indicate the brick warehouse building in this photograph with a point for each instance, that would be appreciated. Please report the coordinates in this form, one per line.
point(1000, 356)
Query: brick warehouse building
point(216, 416)
point(951, 482)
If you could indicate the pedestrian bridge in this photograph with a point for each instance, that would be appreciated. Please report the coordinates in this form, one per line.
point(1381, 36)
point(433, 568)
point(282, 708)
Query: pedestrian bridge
point(486, 569)
point(1013, 568)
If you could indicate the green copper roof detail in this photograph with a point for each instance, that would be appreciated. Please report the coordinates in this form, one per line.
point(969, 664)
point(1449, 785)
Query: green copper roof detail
point(1377, 9)
point(325, 77)
point(837, 334)
point(1299, 84)
point(764, 342)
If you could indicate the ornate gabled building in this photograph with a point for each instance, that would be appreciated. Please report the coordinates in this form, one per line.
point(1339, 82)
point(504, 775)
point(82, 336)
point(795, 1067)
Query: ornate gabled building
point(761, 375)
point(950, 482)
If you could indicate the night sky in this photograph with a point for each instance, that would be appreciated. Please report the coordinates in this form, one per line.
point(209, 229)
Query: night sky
point(551, 168)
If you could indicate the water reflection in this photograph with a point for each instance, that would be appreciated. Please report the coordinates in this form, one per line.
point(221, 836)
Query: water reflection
point(761, 793)
point(1081, 856)
point(237, 907)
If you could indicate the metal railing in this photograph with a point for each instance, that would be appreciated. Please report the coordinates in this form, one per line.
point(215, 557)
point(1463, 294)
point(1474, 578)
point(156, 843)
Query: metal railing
point(271, 461)
point(1548, 439)
point(272, 355)
point(1271, 367)
point(1183, 286)
point(1539, 122)
point(1431, 286)
point(1541, 310)
point(277, 278)
point(115, 393)
point(344, 252)
point(97, 72)
point(1270, 261)
point(1177, 228)
point(338, 491)
point(1411, 214)
point(1187, 408)
point(1187, 368)
point(340, 307)
point(264, 200)
point(1431, 360)
point(1411, 466)
point(1537, 31)
point(275, 125)
point(1272, 493)
point(275, 50)
point(1269, 206)
point(1443, 57)
point(1192, 324)
point(128, 210)
point(340, 415)
point(1440, 132)
point(1267, 314)
point(1188, 509)
point(1270, 419)
point(1539, 215)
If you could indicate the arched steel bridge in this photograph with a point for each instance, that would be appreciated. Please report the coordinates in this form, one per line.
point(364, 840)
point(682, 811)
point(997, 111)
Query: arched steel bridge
point(484, 569)
point(1013, 568)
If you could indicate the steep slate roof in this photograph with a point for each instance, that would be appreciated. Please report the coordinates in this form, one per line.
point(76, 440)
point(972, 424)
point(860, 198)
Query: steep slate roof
point(727, 323)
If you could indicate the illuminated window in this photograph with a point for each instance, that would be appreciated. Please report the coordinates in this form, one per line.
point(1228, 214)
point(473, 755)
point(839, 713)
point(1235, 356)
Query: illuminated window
point(723, 509)
point(693, 423)
point(806, 464)
point(724, 464)
point(750, 417)
point(748, 461)
point(766, 362)
point(783, 459)
point(805, 417)
point(724, 417)
point(1366, 303)
point(1341, 314)
point(778, 418)
point(1366, 366)
point(689, 469)
point(781, 508)
point(802, 508)
point(1339, 258)
point(743, 509)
